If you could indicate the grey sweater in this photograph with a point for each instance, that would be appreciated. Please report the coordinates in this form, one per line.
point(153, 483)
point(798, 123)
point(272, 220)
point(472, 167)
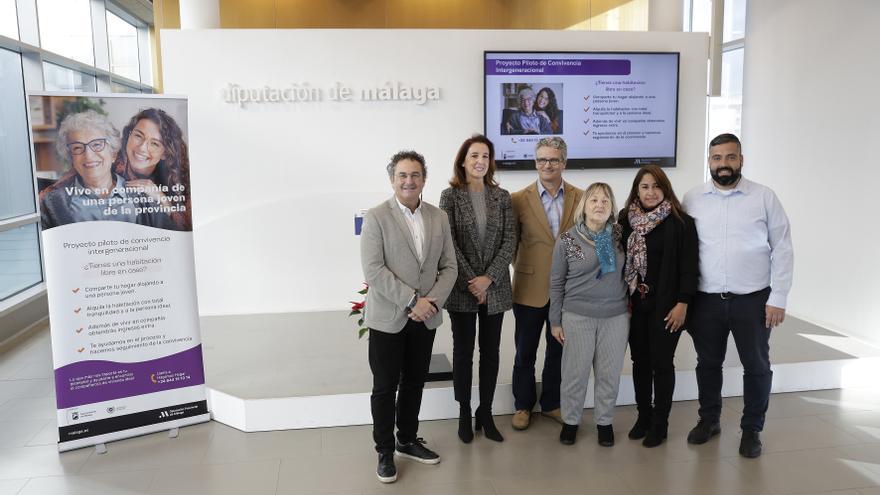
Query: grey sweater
point(574, 286)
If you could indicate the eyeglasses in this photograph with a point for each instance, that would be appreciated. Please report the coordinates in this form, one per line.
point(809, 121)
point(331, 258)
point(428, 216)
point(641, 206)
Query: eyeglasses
point(78, 148)
point(548, 161)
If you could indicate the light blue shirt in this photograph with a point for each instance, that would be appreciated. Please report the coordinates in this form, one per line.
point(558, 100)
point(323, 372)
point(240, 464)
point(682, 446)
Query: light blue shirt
point(553, 207)
point(745, 240)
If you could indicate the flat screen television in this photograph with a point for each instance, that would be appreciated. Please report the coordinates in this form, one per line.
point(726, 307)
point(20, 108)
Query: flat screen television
point(614, 109)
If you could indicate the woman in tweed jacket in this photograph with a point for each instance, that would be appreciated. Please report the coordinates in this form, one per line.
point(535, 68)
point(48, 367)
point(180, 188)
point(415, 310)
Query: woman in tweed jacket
point(482, 223)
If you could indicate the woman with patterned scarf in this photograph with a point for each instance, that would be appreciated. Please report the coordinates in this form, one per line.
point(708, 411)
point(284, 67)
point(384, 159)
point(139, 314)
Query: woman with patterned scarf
point(588, 312)
point(661, 273)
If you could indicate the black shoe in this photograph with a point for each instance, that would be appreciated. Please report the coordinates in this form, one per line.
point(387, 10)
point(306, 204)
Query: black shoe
point(417, 451)
point(386, 471)
point(750, 445)
point(640, 428)
point(465, 433)
point(606, 435)
point(704, 430)
point(655, 436)
point(485, 422)
point(568, 435)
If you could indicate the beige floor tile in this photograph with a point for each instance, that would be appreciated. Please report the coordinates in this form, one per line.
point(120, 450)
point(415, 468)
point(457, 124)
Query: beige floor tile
point(153, 451)
point(863, 425)
point(48, 434)
point(353, 439)
point(799, 433)
point(563, 482)
point(332, 474)
point(39, 369)
point(834, 492)
point(15, 389)
point(481, 487)
point(230, 445)
point(18, 433)
point(868, 491)
point(250, 478)
point(129, 483)
point(26, 462)
point(692, 477)
point(11, 487)
point(819, 402)
point(783, 473)
point(28, 407)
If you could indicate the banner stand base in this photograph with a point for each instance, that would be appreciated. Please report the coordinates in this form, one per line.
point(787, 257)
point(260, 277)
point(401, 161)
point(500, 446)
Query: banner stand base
point(101, 448)
point(133, 432)
point(173, 432)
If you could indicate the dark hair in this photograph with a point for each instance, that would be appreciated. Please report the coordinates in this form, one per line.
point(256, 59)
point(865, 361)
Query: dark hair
point(173, 168)
point(407, 155)
point(724, 139)
point(665, 186)
point(459, 174)
point(552, 108)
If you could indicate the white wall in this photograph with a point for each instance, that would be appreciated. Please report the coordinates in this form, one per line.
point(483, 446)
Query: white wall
point(275, 186)
point(811, 117)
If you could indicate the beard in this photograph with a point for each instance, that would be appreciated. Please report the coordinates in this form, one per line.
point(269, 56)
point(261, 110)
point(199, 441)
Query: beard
point(726, 180)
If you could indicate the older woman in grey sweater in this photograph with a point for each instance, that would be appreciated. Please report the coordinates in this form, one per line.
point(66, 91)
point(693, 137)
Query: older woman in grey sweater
point(588, 312)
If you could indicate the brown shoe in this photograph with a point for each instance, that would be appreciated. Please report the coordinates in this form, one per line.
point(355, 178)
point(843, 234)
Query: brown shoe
point(554, 414)
point(520, 419)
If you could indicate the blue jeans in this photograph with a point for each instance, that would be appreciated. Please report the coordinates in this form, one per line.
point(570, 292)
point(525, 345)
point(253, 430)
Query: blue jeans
point(744, 316)
point(530, 321)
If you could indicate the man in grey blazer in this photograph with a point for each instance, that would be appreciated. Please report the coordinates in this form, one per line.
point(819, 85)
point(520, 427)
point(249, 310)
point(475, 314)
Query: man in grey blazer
point(409, 263)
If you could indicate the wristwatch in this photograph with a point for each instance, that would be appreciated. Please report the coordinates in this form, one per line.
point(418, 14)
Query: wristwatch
point(412, 303)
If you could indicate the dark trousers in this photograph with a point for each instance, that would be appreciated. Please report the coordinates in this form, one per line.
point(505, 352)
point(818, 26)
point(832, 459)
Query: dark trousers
point(743, 316)
point(464, 335)
point(399, 362)
point(530, 321)
point(652, 349)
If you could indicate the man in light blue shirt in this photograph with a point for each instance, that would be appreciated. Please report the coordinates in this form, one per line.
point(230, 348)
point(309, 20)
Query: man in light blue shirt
point(746, 262)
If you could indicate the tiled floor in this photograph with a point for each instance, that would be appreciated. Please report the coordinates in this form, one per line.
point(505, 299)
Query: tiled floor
point(815, 442)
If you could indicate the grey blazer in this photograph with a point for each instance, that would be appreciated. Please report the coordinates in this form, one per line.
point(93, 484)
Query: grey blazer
point(392, 268)
point(491, 259)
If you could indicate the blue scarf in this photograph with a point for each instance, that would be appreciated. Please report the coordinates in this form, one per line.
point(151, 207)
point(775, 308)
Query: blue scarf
point(604, 247)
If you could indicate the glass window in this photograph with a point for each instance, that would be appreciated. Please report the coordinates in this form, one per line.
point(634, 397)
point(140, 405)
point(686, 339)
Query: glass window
point(16, 177)
point(734, 20)
point(122, 88)
point(66, 28)
point(725, 111)
point(8, 19)
point(57, 78)
point(701, 20)
point(123, 47)
point(19, 260)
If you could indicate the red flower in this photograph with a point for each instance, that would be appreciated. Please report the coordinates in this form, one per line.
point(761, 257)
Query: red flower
point(357, 306)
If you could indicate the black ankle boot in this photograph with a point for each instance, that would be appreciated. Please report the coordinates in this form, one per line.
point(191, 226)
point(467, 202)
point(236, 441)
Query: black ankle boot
point(465, 433)
point(655, 436)
point(568, 435)
point(484, 421)
point(643, 424)
point(606, 435)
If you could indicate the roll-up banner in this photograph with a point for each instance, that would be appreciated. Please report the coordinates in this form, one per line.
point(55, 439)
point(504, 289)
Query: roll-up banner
point(115, 204)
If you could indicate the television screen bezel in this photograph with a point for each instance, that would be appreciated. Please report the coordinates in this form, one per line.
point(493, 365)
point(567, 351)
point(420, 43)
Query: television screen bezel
point(591, 163)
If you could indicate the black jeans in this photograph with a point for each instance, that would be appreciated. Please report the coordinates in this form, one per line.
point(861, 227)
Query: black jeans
point(529, 323)
point(464, 333)
point(652, 349)
point(743, 316)
point(399, 362)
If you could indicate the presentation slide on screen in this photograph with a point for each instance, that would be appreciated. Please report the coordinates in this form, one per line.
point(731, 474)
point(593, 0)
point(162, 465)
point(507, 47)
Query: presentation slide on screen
point(113, 174)
point(612, 109)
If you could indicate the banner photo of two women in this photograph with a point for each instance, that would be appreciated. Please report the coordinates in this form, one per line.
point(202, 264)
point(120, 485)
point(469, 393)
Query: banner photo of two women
point(113, 179)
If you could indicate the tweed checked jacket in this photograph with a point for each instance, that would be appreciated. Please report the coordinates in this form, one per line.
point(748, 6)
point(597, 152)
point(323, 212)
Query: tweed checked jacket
point(491, 259)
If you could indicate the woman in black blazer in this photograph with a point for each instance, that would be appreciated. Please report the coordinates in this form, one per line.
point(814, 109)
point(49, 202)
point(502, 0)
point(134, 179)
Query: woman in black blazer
point(661, 271)
point(482, 223)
